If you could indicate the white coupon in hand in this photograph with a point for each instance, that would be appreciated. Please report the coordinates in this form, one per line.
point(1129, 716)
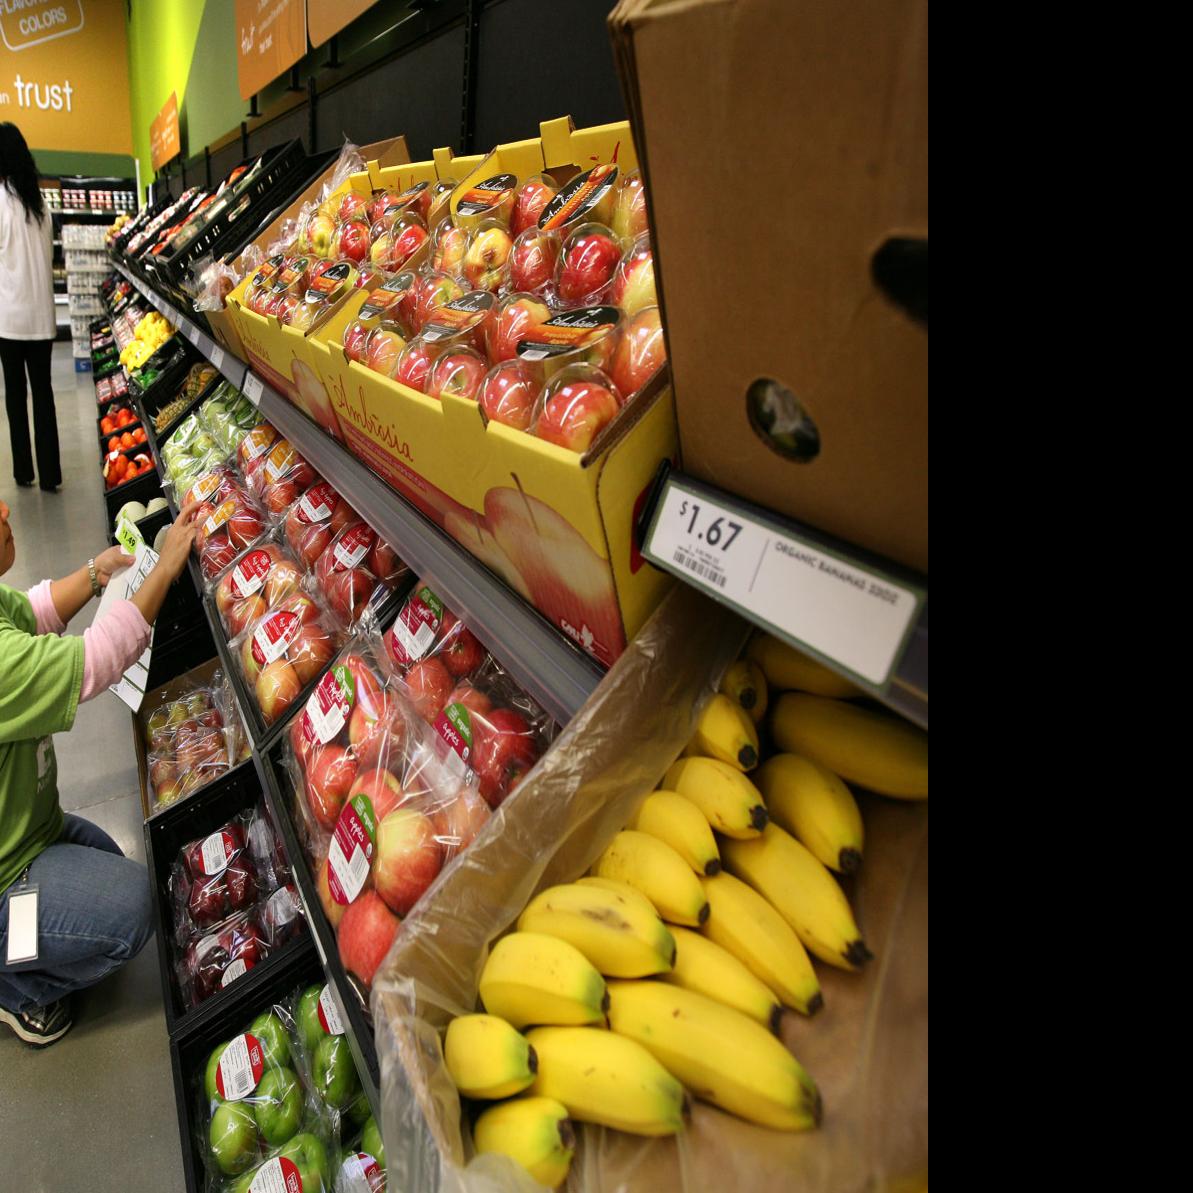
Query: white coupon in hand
point(131, 685)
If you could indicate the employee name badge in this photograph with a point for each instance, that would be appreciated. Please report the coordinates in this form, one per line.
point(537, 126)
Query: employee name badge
point(22, 925)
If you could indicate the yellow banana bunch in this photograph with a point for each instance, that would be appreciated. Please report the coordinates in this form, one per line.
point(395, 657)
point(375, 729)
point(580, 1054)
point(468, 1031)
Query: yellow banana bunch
point(745, 684)
point(726, 1057)
point(618, 935)
point(875, 750)
point(786, 668)
point(535, 1132)
point(654, 868)
point(677, 821)
point(803, 892)
point(724, 730)
point(813, 805)
point(535, 978)
point(607, 1079)
point(487, 1058)
point(708, 969)
point(743, 922)
point(729, 801)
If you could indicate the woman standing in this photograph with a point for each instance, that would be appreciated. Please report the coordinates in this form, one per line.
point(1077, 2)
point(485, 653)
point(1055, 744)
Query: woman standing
point(27, 323)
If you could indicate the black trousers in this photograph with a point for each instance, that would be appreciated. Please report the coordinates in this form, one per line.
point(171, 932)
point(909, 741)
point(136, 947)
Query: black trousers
point(32, 356)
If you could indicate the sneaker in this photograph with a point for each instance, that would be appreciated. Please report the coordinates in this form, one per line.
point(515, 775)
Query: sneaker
point(41, 1026)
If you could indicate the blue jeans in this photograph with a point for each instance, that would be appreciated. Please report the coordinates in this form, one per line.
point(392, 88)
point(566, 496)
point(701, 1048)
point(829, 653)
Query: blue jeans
point(94, 914)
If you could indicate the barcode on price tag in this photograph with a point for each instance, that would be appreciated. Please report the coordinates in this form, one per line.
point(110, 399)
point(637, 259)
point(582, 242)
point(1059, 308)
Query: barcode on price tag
point(253, 388)
point(851, 615)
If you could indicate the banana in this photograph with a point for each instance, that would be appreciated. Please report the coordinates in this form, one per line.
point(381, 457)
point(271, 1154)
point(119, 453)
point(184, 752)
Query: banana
point(535, 978)
point(745, 684)
point(679, 823)
point(729, 801)
point(614, 932)
point(803, 892)
point(786, 668)
point(814, 805)
point(724, 730)
point(727, 1058)
point(654, 868)
point(487, 1058)
point(879, 752)
point(605, 1078)
point(534, 1132)
point(622, 888)
point(709, 969)
point(745, 924)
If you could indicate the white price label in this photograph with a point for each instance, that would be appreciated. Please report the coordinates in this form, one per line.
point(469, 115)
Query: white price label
point(253, 388)
point(350, 872)
point(237, 969)
point(843, 611)
point(191, 332)
point(217, 357)
point(329, 1014)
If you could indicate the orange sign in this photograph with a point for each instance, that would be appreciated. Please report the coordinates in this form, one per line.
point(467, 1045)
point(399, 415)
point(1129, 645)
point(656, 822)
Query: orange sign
point(164, 144)
point(271, 36)
point(64, 74)
point(325, 18)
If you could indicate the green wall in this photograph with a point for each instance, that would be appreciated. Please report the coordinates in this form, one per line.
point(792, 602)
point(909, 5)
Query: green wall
point(54, 161)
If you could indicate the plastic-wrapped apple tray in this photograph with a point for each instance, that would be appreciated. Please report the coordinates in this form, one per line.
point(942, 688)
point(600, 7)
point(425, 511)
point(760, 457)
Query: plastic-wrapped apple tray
point(165, 835)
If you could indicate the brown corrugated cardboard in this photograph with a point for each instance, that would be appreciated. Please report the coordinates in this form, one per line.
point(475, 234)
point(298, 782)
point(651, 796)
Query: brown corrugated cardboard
point(783, 144)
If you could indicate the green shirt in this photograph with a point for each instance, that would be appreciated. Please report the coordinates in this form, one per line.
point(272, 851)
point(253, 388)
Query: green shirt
point(41, 676)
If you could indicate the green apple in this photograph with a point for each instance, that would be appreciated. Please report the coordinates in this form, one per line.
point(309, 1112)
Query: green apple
point(233, 1136)
point(334, 1072)
point(278, 1106)
point(275, 1043)
point(371, 1141)
point(310, 1029)
point(360, 1111)
point(213, 1064)
point(310, 1156)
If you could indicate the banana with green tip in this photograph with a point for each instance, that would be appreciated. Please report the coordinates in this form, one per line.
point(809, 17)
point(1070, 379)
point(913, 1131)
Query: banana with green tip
point(786, 669)
point(724, 730)
point(677, 822)
point(487, 1058)
point(803, 892)
point(533, 977)
point(607, 1079)
point(615, 933)
point(745, 683)
point(743, 922)
point(709, 969)
point(721, 1054)
point(534, 1132)
point(729, 801)
point(654, 868)
point(815, 806)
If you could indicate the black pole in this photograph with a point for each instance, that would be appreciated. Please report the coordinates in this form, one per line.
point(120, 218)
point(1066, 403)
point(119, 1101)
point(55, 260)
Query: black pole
point(472, 32)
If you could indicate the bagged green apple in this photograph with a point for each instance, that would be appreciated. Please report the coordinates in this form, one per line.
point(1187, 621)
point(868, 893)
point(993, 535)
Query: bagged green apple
point(362, 1162)
point(326, 1058)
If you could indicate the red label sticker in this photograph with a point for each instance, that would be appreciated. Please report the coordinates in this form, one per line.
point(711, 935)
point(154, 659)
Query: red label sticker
point(329, 1016)
point(352, 547)
point(454, 727)
point(327, 710)
point(361, 1173)
point(415, 628)
point(274, 635)
point(351, 849)
point(278, 1175)
point(216, 852)
point(249, 574)
point(240, 1067)
point(316, 503)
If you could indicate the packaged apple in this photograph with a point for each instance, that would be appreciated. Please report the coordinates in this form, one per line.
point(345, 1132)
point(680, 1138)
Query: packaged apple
point(254, 447)
point(306, 304)
point(362, 1161)
point(256, 581)
point(590, 197)
point(314, 520)
point(226, 529)
point(213, 962)
point(259, 1119)
point(576, 405)
point(489, 200)
point(393, 242)
point(356, 571)
point(389, 304)
point(281, 479)
point(212, 879)
point(284, 650)
point(326, 1060)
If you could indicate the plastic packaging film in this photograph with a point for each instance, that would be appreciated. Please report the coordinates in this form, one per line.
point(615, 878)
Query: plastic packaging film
point(867, 1049)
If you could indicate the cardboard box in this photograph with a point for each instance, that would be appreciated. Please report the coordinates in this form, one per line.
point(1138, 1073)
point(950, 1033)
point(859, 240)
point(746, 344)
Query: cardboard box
point(555, 525)
point(783, 146)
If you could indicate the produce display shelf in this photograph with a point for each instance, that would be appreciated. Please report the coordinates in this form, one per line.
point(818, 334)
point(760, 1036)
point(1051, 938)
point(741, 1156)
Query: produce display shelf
point(548, 667)
point(863, 616)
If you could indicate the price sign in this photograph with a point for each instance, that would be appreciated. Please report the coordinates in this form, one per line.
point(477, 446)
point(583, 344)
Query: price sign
point(217, 356)
point(253, 388)
point(847, 613)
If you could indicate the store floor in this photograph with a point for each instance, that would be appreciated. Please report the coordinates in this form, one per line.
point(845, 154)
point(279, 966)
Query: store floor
point(96, 1110)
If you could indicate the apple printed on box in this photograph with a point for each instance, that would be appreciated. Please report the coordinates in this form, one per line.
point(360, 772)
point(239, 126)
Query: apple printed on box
point(415, 628)
point(329, 1015)
point(240, 1068)
point(249, 574)
point(350, 852)
point(273, 636)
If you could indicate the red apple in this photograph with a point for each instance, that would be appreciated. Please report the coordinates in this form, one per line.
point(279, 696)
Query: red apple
point(641, 352)
point(348, 593)
point(243, 613)
point(382, 203)
point(249, 664)
point(333, 910)
point(460, 649)
point(458, 822)
point(245, 526)
point(277, 688)
point(471, 698)
point(217, 553)
point(532, 261)
point(434, 290)
point(355, 335)
point(278, 498)
point(283, 580)
point(504, 749)
point(459, 373)
point(510, 321)
point(407, 858)
point(384, 563)
point(371, 729)
point(428, 685)
point(586, 265)
point(314, 541)
point(369, 692)
point(413, 366)
point(575, 410)
point(531, 198)
point(351, 206)
point(302, 606)
point(310, 652)
point(352, 240)
point(366, 933)
point(383, 347)
point(341, 516)
point(382, 788)
point(448, 248)
point(634, 286)
point(300, 743)
point(508, 394)
point(398, 243)
point(488, 251)
point(330, 776)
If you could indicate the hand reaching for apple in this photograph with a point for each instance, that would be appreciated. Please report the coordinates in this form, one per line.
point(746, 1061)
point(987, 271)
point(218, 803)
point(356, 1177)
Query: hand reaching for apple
point(177, 547)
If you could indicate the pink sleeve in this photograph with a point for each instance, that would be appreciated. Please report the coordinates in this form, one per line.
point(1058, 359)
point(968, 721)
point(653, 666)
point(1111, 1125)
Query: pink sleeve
point(48, 621)
point(111, 646)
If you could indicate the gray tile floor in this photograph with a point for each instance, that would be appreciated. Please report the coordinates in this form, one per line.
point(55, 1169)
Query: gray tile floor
point(95, 1111)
